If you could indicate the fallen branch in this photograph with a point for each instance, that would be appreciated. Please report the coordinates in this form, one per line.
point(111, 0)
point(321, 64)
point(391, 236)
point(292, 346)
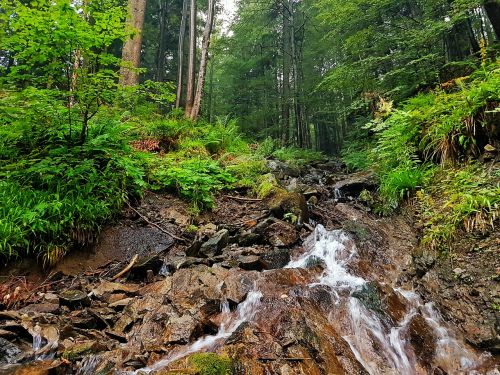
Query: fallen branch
point(156, 225)
point(243, 199)
point(126, 269)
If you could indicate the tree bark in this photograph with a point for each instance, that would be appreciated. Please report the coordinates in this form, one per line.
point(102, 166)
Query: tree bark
point(131, 53)
point(160, 58)
point(182, 37)
point(207, 33)
point(492, 8)
point(285, 95)
point(192, 60)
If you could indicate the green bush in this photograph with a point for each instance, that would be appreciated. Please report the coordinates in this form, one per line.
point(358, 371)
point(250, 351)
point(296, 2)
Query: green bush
point(193, 179)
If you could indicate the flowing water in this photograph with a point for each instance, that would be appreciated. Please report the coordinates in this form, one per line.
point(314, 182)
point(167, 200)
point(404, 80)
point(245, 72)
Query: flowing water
point(380, 345)
point(245, 312)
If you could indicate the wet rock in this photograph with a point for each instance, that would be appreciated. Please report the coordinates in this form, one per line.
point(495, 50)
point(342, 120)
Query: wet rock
point(215, 244)
point(370, 297)
point(50, 367)
point(81, 349)
point(74, 299)
point(281, 234)
point(8, 351)
point(179, 330)
point(423, 339)
point(250, 263)
point(276, 259)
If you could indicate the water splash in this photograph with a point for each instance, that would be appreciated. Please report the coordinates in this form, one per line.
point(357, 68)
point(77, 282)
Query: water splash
point(245, 312)
point(378, 346)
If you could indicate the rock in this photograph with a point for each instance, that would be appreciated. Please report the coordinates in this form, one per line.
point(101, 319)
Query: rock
point(249, 238)
point(423, 263)
point(275, 259)
point(41, 308)
point(140, 269)
point(423, 339)
point(281, 234)
point(179, 330)
point(8, 351)
point(250, 263)
point(74, 299)
point(176, 217)
point(215, 244)
point(51, 298)
point(51, 367)
point(107, 289)
point(355, 184)
point(282, 170)
point(283, 203)
point(81, 349)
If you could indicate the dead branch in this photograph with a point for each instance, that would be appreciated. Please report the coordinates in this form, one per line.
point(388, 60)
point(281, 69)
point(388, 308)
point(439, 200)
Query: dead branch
point(126, 269)
point(156, 225)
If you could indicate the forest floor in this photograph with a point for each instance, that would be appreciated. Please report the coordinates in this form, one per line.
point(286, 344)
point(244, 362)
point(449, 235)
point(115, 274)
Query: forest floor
point(155, 281)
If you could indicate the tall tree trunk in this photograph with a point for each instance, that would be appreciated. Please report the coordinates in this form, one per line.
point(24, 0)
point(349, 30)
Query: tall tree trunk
point(207, 33)
point(492, 8)
point(131, 53)
point(192, 60)
point(182, 37)
point(160, 58)
point(285, 95)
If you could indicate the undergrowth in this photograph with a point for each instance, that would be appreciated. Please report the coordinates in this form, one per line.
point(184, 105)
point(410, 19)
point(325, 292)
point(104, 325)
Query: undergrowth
point(426, 148)
point(56, 192)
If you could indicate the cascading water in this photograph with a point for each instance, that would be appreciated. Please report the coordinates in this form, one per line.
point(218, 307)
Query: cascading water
point(380, 348)
point(244, 312)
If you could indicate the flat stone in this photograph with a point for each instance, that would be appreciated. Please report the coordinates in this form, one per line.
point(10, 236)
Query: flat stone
point(41, 308)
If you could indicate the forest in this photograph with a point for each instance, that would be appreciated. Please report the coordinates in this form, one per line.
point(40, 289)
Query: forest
point(269, 120)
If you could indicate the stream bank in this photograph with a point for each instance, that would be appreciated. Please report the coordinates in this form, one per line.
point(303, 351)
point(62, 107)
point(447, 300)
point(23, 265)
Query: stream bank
point(331, 296)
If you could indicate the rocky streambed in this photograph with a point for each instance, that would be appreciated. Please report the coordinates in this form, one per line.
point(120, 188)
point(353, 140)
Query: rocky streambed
point(310, 283)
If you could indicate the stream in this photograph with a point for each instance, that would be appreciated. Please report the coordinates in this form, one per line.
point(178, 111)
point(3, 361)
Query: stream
point(380, 346)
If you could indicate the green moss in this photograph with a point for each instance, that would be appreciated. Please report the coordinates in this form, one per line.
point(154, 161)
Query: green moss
point(211, 364)
point(267, 185)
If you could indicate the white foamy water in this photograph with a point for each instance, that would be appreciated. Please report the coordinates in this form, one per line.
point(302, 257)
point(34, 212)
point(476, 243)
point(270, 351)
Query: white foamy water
point(245, 312)
point(379, 347)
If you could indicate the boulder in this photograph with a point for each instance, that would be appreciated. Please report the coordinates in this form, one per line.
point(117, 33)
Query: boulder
point(355, 184)
point(214, 245)
point(281, 234)
point(74, 299)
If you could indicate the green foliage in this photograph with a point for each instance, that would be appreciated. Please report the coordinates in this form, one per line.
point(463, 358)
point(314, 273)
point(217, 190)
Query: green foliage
point(193, 179)
point(432, 127)
point(59, 196)
point(211, 364)
point(465, 197)
point(297, 156)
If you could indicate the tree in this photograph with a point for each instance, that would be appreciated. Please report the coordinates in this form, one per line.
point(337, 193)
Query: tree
point(192, 59)
point(492, 8)
point(61, 50)
point(182, 37)
point(203, 60)
point(131, 53)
